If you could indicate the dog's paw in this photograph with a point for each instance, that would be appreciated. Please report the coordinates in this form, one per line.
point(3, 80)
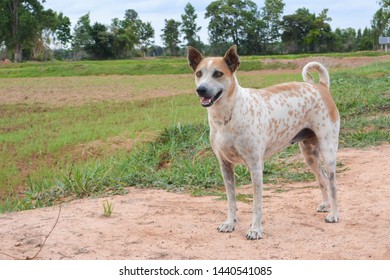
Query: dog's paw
point(254, 234)
point(331, 218)
point(323, 207)
point(226, 227)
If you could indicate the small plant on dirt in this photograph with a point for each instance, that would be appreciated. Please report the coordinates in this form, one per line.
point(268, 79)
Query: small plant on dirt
point(108, 207)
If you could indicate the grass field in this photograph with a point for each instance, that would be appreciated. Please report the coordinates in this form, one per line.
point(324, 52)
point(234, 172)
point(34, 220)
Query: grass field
point(75, 129)
point(160, 66)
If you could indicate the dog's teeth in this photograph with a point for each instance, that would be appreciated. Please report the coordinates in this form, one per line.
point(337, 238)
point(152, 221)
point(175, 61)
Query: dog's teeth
point(205, 100)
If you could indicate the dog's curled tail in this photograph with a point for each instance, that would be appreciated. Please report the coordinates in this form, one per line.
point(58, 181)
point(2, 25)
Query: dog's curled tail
point(323, 73)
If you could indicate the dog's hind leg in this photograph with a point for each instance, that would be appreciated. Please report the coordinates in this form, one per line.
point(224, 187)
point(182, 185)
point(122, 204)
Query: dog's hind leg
point(311, 152)
point(328, 151)
point(227, 170)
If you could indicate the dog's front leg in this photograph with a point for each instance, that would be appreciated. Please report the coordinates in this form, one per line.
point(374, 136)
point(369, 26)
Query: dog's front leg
point(227, 170)
point(255, 231)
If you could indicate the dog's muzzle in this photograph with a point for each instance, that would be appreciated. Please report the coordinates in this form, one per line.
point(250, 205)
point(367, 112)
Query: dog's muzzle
point(206, 98)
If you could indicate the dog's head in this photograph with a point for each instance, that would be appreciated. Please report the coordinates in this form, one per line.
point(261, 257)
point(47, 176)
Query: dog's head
point(214, 76)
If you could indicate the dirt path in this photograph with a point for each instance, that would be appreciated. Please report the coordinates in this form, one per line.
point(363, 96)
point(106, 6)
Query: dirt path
point(154, 224)
point(63, 91)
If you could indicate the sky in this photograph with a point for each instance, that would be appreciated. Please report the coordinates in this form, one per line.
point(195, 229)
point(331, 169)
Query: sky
point(344, 13)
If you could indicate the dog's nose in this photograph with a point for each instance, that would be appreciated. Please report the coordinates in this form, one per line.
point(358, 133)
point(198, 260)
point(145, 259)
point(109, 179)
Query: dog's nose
point(201, 90)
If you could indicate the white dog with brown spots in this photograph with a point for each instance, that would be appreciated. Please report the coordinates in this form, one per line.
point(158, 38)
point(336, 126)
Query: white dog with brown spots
point(249, 125)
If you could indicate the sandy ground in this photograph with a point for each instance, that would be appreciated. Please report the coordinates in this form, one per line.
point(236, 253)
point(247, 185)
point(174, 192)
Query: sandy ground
point(154, 224)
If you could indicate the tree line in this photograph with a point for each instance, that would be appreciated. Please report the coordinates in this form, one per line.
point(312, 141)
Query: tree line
point(28, 31)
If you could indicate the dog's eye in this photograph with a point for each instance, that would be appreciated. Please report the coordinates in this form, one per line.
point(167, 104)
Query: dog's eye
point(199, 74)
point(217, 74)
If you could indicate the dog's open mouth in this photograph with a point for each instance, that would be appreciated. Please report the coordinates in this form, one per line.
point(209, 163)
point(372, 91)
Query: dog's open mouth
point(207, 102)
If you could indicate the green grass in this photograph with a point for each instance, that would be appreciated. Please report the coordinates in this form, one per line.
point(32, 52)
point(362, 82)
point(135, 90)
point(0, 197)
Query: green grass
point(94, 68)
point(363, 98)
point(37, 141)
point(150, 66)
point(46, 160)
point(179, 160)
point(108, 208)
point(336, 55)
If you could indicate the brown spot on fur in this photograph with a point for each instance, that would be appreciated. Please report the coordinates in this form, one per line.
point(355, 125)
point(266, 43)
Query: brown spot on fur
point(280, 88)
point(293, 91)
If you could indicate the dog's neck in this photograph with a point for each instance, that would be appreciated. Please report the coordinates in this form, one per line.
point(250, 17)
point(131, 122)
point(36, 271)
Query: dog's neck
point(221, 113)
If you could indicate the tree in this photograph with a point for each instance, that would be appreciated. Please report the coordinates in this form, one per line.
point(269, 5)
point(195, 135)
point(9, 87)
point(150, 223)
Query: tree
point(295, 29)
point(131, 23)
point(52, 28)
point(131, 32)
point(126, 33)
point(234, 22)
point(146, 35)
point(305, 32)
point(171, 36)
point(124, 37)
point(271, 15)
point(345, 40)
point(364, 41)
point(141, 33)
point(115, 41)
point(381, 22)
point(320, 37)
point(100, 46)
point(24, 23)
point(63, 34)
point(82, 35)
point(385, 5)
point(189, 27)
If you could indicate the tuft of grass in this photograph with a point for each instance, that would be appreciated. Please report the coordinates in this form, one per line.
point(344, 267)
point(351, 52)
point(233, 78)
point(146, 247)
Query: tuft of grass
point(83, 182)
point(108, 207)
point(40, 194)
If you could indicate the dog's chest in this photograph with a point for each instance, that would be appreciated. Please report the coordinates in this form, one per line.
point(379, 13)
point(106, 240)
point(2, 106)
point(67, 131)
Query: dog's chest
point(226, 145)
point(242, 136)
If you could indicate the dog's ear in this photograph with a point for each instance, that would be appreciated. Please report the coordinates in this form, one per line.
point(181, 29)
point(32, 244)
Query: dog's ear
point(194, 57)
point(232, 59)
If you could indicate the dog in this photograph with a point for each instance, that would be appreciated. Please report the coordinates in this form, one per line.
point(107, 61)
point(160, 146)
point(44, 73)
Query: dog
point(247, 126)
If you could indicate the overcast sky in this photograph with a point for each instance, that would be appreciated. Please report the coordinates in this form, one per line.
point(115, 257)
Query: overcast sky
point(344, 13)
